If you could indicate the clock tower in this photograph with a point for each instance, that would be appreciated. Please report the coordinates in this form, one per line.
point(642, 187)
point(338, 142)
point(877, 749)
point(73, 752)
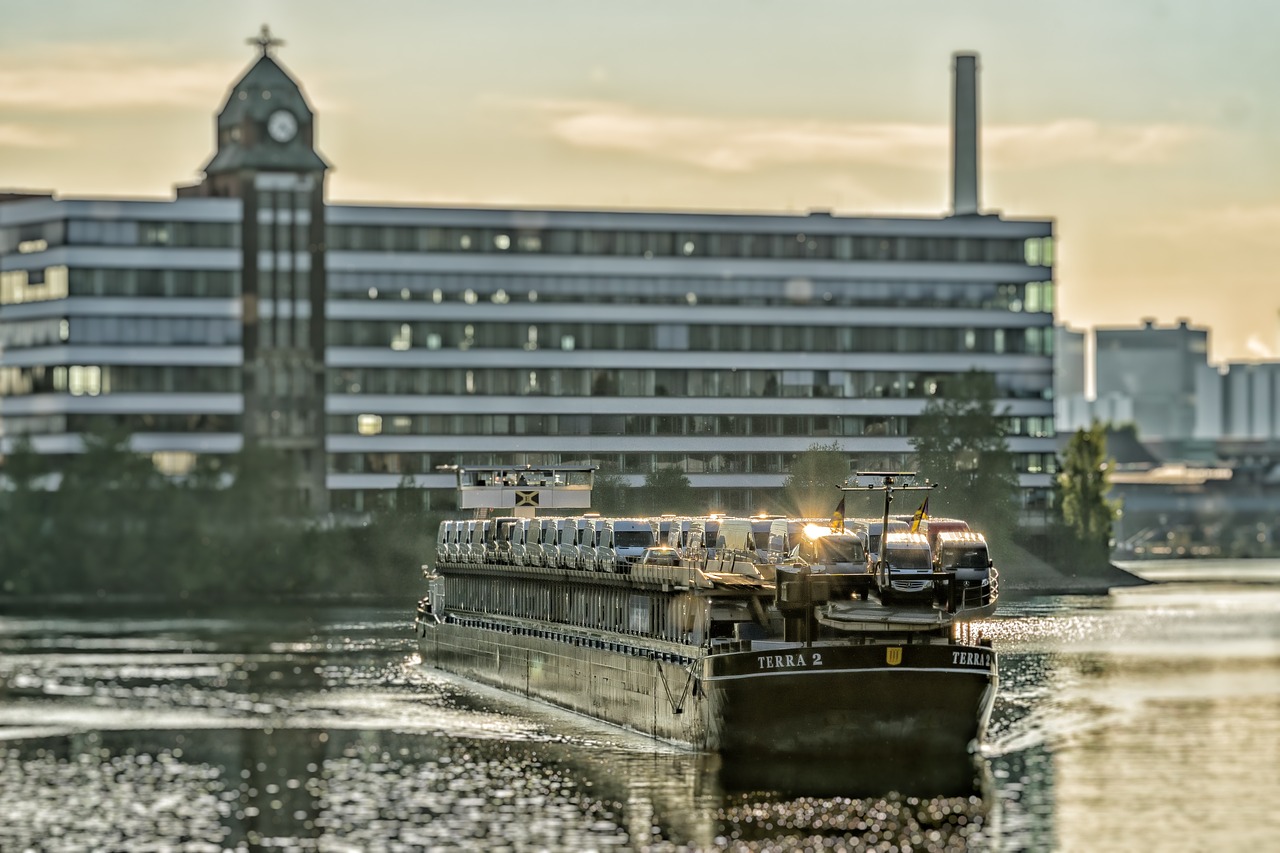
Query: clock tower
point(266, 157)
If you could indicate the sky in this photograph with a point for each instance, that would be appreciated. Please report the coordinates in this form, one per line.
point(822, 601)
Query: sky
point(1147, 130)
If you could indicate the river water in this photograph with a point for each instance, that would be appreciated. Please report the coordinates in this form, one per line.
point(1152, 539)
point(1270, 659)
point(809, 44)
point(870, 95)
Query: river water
point(1148, 719)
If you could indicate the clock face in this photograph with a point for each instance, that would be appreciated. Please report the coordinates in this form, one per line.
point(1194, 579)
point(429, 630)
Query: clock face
point(282, 125)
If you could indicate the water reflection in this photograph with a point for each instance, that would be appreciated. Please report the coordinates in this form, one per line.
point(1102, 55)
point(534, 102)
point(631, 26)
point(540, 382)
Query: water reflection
point(1143, 719)
point(210, 734)
point(1148, 719)
point(308, 788)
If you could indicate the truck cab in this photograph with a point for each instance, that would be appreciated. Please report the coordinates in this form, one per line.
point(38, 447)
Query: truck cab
point(604, 558)
point(906, 574)
point(965, 553)
point(871, 528)
point(584, 540)
point(520, 541)
point(566, 543)
point(442, 541)
point(827, 552)
point(630, 538)
point(497, 540)
point(472, 549)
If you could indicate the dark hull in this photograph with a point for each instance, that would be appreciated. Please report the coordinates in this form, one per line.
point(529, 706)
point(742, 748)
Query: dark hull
point(854, 701)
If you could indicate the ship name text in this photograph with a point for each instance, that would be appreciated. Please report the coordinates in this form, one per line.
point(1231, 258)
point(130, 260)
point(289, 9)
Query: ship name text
point(971, 658)
point(789, 661)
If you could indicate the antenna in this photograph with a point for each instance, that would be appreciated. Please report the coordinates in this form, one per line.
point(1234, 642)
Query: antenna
point(887, 482)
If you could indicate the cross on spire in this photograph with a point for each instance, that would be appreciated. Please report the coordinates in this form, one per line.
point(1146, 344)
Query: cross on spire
point(265, 41)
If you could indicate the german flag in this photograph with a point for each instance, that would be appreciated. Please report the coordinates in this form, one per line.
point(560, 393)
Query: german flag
point(837, 517)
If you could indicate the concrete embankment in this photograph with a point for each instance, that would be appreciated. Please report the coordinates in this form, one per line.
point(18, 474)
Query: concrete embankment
point(1022, 575)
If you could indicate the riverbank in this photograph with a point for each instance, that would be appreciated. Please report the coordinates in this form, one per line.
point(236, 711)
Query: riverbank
point(1022, 574)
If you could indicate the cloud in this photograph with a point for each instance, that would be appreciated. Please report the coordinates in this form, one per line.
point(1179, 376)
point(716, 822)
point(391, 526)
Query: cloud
point(1083, 141)
point(1256, 348)
point(748, 144)
point(1256, 223)
point(26, 136)
point(735, 145)
point(95, 77)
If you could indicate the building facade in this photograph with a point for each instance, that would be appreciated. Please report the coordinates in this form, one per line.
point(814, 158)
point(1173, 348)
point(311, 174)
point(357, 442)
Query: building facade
point(381, 343)
point(1156, 370)
point(1071, 406)
point(1240, 402)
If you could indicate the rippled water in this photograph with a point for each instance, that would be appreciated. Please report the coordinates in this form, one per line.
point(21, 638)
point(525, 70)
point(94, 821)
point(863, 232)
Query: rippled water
point(1147, 719)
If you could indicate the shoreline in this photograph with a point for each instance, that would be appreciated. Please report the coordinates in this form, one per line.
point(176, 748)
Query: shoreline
point(1024, 575)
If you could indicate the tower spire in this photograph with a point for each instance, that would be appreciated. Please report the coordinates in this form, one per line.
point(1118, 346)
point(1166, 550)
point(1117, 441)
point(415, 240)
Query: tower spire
point(264, 40)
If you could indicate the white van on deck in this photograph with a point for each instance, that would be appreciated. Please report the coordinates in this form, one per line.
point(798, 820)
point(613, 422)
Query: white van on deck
point(629, 538)
point(907, 571)
point(966, 554)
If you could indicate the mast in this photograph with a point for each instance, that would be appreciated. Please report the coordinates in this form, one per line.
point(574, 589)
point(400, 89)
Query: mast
point(889, 481)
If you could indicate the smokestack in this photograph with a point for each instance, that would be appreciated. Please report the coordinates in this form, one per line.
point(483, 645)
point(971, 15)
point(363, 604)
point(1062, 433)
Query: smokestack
point(964, 136)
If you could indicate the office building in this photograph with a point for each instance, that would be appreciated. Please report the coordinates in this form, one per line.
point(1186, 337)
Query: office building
point(381, 343)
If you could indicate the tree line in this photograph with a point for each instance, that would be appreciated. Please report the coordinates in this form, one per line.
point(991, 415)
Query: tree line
point(106, 523)
point(960, 442)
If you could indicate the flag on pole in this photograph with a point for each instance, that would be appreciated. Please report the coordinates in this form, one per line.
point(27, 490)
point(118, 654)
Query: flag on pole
point(922, 514)
point(837, 517)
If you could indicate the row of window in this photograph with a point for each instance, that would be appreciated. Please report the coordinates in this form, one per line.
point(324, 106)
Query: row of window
point(18, 286)
point(1037, 251)
point(214, 284)
point(639, 463)
point(707, 337)
point(654, 244)
point(568, 382)
point(650, 425)
point(39, 236)
point(1032, 297)
point(134, 423)
point(41, 332)
point(39, 285)
point(92, 379)
point(576, 382)
point(542, 425)
point(153, 331)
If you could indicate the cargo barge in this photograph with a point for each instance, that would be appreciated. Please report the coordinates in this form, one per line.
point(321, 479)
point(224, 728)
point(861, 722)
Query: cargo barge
point(713, 645)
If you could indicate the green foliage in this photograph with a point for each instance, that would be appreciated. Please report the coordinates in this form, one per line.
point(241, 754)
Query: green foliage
point(611, 493)
point(667, 490)
point(1087, 515)
point(960, 443)
point(105, 523)
point(811, 490)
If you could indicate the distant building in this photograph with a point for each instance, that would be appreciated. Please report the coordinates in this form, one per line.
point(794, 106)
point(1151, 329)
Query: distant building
point(1071, 409)
point(379, 343)
point(1240, 402)
point(1155, 368)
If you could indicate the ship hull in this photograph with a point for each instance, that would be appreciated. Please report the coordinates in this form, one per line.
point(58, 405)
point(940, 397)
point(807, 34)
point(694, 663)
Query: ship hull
point(643, 688)
point(893, 703)
point(887, 700)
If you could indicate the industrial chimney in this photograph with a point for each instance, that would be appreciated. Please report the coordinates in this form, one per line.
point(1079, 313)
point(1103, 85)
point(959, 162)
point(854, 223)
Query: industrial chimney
point(964, 136)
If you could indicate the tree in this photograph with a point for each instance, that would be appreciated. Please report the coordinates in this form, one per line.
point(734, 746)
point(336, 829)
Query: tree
point(811, 489)
point(1082, 486)
point(960, 444)
point(668, 490)
point(610, 493)
point(25, 532)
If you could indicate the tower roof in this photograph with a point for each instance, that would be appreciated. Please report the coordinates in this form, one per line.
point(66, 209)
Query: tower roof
point(265, 89)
